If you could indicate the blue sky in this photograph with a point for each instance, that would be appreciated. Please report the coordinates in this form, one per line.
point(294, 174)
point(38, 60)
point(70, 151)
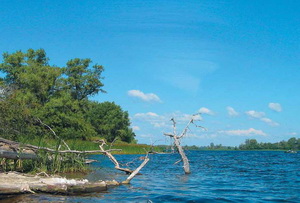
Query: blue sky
point(237, 62)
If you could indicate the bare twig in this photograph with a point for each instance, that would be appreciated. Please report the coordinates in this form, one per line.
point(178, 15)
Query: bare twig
point(178, 161)
point(174, 125)
point(111, 144)
point(39, 120)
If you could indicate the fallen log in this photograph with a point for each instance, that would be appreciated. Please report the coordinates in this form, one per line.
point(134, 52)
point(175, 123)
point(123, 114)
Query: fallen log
point(16, 155)
point(17, 183)
point(12, 150)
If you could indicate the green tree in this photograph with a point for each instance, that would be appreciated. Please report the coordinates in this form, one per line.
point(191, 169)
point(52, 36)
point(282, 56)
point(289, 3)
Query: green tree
point(292, 143)
point(110, 121)
point(32, 89)
point(30, 74)
point(83, 81)
point(66, 117)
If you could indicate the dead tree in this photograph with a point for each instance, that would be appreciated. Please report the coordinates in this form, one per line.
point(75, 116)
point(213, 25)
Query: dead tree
point(176, 138)
point(132, 173)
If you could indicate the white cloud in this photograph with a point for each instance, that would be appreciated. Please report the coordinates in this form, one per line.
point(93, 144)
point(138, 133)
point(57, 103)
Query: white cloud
point(146, 115)
point(255, 114)
point(150, 97)
point(261, 117)
point(275, 107)
point(249, 132)
point(163, 121)
point(152, 118)
point(231, 111)
point(207, 111)
point(269, 121)
point(136, 128)
point(182, 118)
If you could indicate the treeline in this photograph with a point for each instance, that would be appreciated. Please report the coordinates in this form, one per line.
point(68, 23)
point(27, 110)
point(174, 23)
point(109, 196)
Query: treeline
point(33, 91)
point(252, 144)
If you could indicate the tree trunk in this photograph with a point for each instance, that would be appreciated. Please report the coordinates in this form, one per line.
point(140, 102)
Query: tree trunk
point(186, 165)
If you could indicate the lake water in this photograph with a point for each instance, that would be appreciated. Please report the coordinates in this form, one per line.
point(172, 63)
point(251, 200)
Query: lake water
point(217, 176)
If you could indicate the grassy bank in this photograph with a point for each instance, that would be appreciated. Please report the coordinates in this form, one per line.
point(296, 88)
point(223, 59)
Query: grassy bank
point(83, 145)
point(53, 162)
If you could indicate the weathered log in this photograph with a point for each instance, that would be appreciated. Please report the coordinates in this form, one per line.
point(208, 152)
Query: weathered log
point(16, 183)
point(89, 161)
point(16, 155)
point(112, 158)
point(117, 165)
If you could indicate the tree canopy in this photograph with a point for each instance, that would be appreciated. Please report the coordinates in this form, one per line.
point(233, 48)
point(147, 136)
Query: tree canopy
point(32, 89)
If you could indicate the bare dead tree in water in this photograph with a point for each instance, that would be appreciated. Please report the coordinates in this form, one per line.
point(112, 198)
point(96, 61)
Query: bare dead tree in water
point(177, 138)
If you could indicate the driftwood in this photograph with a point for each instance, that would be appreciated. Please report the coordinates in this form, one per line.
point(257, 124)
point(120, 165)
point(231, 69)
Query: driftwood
point(15, 150)
point(16, 183)
point(112, 158)
point(136, 171)
point(15, 155)
point(132, 173)
point(176, 138)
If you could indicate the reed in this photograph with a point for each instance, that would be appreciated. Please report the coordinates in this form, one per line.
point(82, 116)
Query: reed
point(54, 163)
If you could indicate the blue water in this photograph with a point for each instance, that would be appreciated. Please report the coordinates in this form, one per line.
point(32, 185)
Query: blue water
point(217, 176)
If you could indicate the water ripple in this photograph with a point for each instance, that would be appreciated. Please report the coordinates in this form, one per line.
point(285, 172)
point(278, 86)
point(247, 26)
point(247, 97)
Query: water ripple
point(228, 176)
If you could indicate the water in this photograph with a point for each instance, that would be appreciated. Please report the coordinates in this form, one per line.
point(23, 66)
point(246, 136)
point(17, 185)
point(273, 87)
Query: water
point(217, 176)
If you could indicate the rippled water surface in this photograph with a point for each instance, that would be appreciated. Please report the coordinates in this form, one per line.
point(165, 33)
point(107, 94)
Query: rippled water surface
point(217, 176)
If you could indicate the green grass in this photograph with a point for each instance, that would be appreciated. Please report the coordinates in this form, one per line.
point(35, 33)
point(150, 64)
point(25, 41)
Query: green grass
point(82, 145)
point(52, 163)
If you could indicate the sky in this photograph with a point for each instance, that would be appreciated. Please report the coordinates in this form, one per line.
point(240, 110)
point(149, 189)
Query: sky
point(235, 62)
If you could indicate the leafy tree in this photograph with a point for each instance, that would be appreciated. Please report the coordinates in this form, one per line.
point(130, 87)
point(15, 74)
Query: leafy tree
point(110, 121)
point(82, 80)
point(66, 118)
point(15, 119)
point(30, 74)
point(31, 89)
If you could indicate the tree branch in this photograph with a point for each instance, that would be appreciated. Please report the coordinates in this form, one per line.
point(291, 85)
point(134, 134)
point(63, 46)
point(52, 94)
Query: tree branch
point(39, 120)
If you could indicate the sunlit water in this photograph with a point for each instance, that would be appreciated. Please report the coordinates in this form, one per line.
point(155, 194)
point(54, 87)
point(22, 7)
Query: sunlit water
point(217, 176)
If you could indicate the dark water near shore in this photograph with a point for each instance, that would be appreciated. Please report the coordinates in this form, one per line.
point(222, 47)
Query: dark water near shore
point(217, 176)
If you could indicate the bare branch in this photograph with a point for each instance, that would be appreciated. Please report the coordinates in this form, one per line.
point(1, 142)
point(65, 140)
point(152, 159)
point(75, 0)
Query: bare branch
point(111, 144)
point(174, 125)
point(199, 126)
point(186, 128)
point(169, 134)
point(39, 120)
point(136, 171)
point(178, 161)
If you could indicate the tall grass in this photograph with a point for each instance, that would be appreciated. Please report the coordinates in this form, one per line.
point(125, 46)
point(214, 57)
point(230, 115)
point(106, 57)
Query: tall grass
point(83, 145)
point(54, 162)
